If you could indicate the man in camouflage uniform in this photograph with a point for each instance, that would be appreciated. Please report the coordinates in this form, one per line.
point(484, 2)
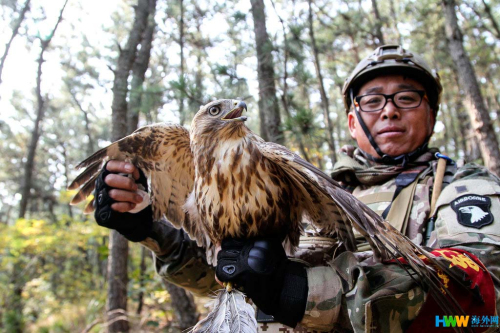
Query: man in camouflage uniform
point(392, 98)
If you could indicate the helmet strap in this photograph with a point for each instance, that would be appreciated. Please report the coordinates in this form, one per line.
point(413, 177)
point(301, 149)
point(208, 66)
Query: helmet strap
point(404, 159)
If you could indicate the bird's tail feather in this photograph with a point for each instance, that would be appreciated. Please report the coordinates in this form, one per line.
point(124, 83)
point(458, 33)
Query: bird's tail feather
point(230, 314)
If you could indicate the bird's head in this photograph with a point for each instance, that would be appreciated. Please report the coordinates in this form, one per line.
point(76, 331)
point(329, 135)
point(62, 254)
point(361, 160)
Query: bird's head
point(466, 210)
point(221, 115)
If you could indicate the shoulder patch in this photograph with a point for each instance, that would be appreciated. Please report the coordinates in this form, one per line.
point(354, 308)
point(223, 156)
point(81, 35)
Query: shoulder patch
point(473, 210)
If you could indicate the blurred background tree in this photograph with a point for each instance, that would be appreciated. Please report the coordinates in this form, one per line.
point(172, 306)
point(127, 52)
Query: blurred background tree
point(75, 75)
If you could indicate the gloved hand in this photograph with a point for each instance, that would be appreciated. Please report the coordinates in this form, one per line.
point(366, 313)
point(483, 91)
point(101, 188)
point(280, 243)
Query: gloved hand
point(115, 196)
point(260, 268)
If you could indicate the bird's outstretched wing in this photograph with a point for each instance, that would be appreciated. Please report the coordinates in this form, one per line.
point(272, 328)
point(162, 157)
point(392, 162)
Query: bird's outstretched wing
point(162, 151)
point(333, 210)
point(326, 205)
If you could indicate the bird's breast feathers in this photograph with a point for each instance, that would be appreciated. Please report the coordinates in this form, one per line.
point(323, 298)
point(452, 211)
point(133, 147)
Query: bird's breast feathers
point(239, 194)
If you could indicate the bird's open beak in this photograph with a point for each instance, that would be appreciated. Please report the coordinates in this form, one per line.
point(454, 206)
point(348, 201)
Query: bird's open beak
point(235, 114)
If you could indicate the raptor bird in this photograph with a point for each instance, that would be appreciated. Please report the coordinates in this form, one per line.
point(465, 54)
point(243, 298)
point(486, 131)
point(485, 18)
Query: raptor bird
point(222, 180)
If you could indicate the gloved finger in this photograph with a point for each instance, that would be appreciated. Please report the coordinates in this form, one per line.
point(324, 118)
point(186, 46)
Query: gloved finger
point(123, 207)
point(121, 195)
point(122, 167)
point(227, 270)
point(234, 243)
point(231, 263)
point(231, 248)
point(120, 182)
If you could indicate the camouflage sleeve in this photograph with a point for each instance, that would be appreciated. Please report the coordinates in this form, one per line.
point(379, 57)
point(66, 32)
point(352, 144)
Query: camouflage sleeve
point(468, 218)
point(363, 296)
point(351, 295)
point(179, 260)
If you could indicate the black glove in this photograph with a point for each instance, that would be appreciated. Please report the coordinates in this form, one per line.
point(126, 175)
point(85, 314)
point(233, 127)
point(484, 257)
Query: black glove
point(134, 227)
point(261, 269)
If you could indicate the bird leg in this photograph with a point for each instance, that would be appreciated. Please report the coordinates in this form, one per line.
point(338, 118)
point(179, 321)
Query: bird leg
point(228, 286)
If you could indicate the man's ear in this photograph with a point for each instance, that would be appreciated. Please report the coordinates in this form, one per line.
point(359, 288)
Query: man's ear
point(351, 122)
point(432, 116)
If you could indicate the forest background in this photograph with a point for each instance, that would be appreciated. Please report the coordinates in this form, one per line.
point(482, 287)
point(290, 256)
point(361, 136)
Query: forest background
point(76, 75)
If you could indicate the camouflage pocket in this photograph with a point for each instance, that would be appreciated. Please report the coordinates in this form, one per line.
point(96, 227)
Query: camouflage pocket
point(468, 211)
point(393, 313)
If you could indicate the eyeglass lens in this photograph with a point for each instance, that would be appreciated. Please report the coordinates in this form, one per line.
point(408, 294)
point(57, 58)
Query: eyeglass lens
point(402, 99)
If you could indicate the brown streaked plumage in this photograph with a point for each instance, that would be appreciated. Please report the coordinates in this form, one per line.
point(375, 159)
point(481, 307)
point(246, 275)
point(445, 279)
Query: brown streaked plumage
point(221, 180)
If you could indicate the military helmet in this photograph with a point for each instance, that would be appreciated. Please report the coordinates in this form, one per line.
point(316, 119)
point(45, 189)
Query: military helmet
point(393, 59)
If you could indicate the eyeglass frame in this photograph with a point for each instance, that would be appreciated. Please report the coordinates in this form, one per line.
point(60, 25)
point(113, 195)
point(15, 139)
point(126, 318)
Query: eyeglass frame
point(421, 93)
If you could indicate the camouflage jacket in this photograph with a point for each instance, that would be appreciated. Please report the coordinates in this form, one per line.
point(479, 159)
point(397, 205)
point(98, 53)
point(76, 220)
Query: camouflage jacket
point(348, 292)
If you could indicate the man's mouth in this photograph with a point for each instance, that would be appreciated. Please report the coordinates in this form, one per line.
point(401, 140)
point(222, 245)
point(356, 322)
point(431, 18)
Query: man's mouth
point(235, 114)
point(391, 130)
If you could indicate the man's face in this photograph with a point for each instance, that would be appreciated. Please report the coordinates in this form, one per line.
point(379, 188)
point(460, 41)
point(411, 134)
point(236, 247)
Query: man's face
point(396, 131)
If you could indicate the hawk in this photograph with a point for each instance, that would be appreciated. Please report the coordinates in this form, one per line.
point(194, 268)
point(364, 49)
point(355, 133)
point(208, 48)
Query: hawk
point(221, 180)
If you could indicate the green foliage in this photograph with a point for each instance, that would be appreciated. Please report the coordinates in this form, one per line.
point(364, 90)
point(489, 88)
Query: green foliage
point(55, 267)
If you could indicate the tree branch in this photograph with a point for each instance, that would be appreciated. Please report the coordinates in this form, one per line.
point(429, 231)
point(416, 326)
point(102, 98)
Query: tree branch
point(14, 34)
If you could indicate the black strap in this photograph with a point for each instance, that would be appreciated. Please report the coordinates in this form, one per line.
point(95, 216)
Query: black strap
point(402, 180)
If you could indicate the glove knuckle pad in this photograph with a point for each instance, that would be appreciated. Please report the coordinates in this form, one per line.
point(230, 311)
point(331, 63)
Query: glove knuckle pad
point(263, 244)
point(258, 265)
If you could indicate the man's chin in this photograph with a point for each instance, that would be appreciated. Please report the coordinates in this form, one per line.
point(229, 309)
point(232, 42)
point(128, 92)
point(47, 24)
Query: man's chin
point(395, 151)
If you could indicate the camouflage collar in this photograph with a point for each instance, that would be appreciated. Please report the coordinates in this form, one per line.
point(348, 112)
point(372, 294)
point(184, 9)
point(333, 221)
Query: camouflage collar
point(353, 168)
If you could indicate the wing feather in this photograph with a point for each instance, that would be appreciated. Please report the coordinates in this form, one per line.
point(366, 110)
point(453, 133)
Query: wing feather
point(85, 191)
point(162, 151)
point(83, 177)
point(320, 207)
point(385, 240)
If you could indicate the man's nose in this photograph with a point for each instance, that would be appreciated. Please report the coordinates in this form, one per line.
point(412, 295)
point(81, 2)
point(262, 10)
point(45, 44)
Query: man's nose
point(390, 110)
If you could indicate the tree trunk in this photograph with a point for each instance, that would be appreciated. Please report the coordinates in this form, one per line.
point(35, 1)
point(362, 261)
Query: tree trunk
point(142, 271)
point(325, 103)
point(453, 130)
point(462, 117)
point(35, 134)
point(480, 118)
point(15, 31)
point(139, 69)
point(270, 122)
point(66, 175)
point(463, 122)
point(378, 23)
point(183, 304)
point(125, 61)
point(116, 304)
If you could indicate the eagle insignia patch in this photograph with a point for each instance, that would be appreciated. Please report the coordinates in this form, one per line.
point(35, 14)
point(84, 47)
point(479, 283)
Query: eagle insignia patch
point(473, 210)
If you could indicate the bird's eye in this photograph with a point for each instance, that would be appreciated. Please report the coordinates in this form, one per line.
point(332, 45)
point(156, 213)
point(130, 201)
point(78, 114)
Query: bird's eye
point(214, 110)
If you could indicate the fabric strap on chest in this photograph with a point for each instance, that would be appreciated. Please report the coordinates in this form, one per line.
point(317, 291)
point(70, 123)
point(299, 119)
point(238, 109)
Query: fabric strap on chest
point(398, 212)
point(401, 199)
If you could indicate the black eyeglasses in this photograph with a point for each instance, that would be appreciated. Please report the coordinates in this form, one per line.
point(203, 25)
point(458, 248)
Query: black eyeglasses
point(407, 99)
